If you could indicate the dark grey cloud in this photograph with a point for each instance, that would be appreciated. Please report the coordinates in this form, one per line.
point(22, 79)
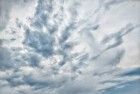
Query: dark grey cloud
point(41, 42)
point(131, 72)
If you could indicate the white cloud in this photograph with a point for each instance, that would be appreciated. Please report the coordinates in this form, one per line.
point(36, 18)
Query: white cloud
point(62, 47)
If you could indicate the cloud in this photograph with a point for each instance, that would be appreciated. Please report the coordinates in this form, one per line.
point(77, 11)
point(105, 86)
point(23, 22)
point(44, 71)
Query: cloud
point(126, 88)
point(59, 52)
point(41, 42)
point(5, 57)
point(4, 13)
point(6, 7)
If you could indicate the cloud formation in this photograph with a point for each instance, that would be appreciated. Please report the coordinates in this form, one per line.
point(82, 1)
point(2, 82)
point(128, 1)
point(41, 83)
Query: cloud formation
point(65, 49)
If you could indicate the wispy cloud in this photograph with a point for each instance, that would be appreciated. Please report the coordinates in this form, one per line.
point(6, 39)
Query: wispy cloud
point(56, 51)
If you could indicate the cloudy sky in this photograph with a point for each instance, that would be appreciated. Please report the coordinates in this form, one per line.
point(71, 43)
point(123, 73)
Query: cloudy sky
point(69, 46)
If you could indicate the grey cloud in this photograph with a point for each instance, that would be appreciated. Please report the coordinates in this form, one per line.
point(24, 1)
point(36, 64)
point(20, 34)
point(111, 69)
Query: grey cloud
point(131, 72)
point(117, 38)
point(5, 58)
point(41, 42)
point(41, 18)
point(76, 87)
point(4, 13)
point(125, 88)
point(38, 69)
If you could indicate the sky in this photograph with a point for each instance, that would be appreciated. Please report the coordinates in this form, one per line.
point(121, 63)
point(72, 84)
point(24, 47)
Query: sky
point(69, 46)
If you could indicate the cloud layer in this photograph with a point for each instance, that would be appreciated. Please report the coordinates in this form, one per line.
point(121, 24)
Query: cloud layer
point(66, 47)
